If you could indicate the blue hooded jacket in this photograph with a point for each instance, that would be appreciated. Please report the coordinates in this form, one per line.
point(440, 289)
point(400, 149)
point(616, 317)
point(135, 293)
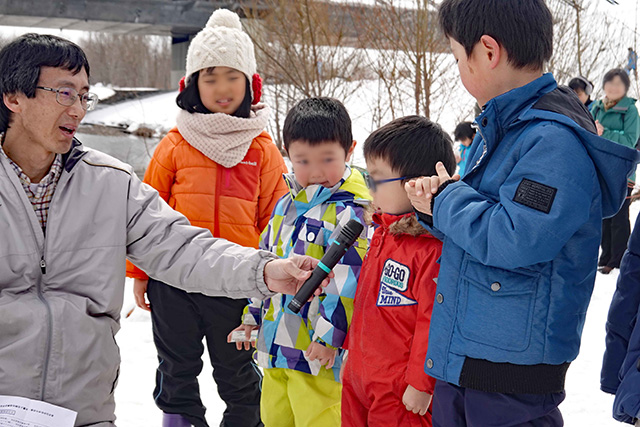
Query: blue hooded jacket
point(521, 232)
point(621, 368)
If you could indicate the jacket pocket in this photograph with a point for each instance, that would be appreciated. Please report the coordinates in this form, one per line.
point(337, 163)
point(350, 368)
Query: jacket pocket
point(497, 305)
point(311, 237)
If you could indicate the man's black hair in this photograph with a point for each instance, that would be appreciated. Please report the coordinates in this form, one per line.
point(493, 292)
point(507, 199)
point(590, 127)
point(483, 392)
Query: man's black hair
point(524, 28)
point(619, 72)
point(464, 130)
point(412, 146)
point(317, 120)
point(22, 59)
point(189, 99)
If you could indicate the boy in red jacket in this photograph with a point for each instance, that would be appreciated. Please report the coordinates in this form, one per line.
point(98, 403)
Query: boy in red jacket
point(384, 383)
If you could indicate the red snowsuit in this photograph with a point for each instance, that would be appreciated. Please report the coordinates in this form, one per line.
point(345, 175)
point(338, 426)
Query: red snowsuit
point(389, 332)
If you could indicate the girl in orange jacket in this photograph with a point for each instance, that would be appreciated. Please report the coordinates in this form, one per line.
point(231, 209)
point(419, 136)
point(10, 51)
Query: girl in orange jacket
point(222, 171)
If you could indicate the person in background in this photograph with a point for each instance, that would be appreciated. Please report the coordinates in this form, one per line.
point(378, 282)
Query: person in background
point(616, 119)
point(221, 170)
point(632, 63)
point(464, 134)
point(583, 88)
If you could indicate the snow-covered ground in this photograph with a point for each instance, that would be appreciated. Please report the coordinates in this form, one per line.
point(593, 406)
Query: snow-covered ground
point(585, 406)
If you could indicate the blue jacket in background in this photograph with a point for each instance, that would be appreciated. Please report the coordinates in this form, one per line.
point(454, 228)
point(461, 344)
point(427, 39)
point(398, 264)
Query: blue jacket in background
point(521, 235)
point(620, 370)
point(464, 156)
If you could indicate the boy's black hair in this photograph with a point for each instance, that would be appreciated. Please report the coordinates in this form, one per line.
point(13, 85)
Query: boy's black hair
point(619, 72)
point(412, 146)
point(464, 130)
point(317, 120)
point(524, 28)
point(22, 59)
point(189, 99)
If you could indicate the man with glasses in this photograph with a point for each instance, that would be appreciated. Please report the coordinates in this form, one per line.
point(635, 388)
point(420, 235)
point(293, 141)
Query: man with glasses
point(69, 216)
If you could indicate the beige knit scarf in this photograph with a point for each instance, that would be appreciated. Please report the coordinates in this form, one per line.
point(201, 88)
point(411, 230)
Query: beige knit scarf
point(223, 138)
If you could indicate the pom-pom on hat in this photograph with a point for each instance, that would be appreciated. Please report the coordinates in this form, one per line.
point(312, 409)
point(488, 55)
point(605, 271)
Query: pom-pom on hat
point(222, 43)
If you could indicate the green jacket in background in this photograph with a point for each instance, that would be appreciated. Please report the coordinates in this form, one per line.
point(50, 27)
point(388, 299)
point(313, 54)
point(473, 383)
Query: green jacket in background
point(621, 122)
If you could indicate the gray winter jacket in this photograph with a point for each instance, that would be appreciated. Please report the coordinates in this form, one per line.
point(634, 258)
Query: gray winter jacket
point(61, 294)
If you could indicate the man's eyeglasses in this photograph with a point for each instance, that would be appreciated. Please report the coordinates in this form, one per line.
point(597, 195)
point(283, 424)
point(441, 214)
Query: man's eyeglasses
point(373, 184)
point(67, 96)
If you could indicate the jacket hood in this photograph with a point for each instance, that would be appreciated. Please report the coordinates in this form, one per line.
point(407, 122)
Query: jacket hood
point(351, 187)
point(561, 105)
point(400, 224)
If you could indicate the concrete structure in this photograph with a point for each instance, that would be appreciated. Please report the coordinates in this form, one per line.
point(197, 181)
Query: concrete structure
point(160, 17)
point(180, 19)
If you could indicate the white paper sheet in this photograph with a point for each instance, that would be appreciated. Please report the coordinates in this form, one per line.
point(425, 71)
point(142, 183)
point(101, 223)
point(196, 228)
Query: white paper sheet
point(23, 412)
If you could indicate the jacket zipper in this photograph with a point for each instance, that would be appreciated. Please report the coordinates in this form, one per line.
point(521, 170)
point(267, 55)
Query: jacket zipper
point(43, 268)
point(216, 217)
point(227, 177)
point(484, 152)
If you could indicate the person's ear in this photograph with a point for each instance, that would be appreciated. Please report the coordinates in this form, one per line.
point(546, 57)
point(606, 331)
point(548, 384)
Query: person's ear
point(350, 152)
point(12, 102)
point(491, 51)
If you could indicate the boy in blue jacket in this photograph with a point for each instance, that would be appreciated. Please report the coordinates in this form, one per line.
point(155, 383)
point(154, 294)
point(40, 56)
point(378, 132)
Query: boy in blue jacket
point(521, 230)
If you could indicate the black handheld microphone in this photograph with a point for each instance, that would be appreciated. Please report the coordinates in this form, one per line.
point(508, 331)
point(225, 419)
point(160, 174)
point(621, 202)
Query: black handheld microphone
point(345, 240)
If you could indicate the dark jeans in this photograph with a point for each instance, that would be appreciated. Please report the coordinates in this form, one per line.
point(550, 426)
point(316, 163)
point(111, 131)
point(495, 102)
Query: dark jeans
point(455, 406)
point(615, 235)
point(180, 322)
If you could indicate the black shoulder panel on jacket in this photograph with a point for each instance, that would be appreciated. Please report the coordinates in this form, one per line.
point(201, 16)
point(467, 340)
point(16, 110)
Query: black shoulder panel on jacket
point(563, 100)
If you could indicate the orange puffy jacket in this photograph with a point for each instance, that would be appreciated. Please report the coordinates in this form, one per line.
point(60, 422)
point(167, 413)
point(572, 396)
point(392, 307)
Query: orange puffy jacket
point(233, 203)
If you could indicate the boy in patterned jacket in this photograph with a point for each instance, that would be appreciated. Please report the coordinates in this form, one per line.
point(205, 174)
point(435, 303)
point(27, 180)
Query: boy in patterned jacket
point(384, 383)
point(301, 353)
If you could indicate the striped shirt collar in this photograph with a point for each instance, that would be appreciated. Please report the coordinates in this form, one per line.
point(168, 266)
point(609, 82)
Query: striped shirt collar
point(40, 194)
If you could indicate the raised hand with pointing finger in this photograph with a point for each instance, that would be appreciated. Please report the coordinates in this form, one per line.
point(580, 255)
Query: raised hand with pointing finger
point(421, 191)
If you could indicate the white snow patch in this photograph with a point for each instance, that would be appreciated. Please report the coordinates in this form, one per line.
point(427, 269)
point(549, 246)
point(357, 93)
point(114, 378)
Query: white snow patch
point(103, 92)
point(156, 112)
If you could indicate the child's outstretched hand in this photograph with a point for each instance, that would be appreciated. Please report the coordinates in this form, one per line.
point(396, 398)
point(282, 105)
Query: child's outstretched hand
point(247, 343)
point(421, 190)
point(416, 401)
point(324, 355)
point(139, 292)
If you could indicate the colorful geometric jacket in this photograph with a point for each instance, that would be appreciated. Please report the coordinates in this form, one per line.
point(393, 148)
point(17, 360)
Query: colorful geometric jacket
point(305, 222)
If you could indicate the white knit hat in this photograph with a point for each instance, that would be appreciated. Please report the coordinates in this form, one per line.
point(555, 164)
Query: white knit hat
point(222, 43)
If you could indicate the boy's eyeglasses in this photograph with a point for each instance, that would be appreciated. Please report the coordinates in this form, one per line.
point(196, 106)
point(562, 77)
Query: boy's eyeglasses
point(373, 184)
point(67, 96)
